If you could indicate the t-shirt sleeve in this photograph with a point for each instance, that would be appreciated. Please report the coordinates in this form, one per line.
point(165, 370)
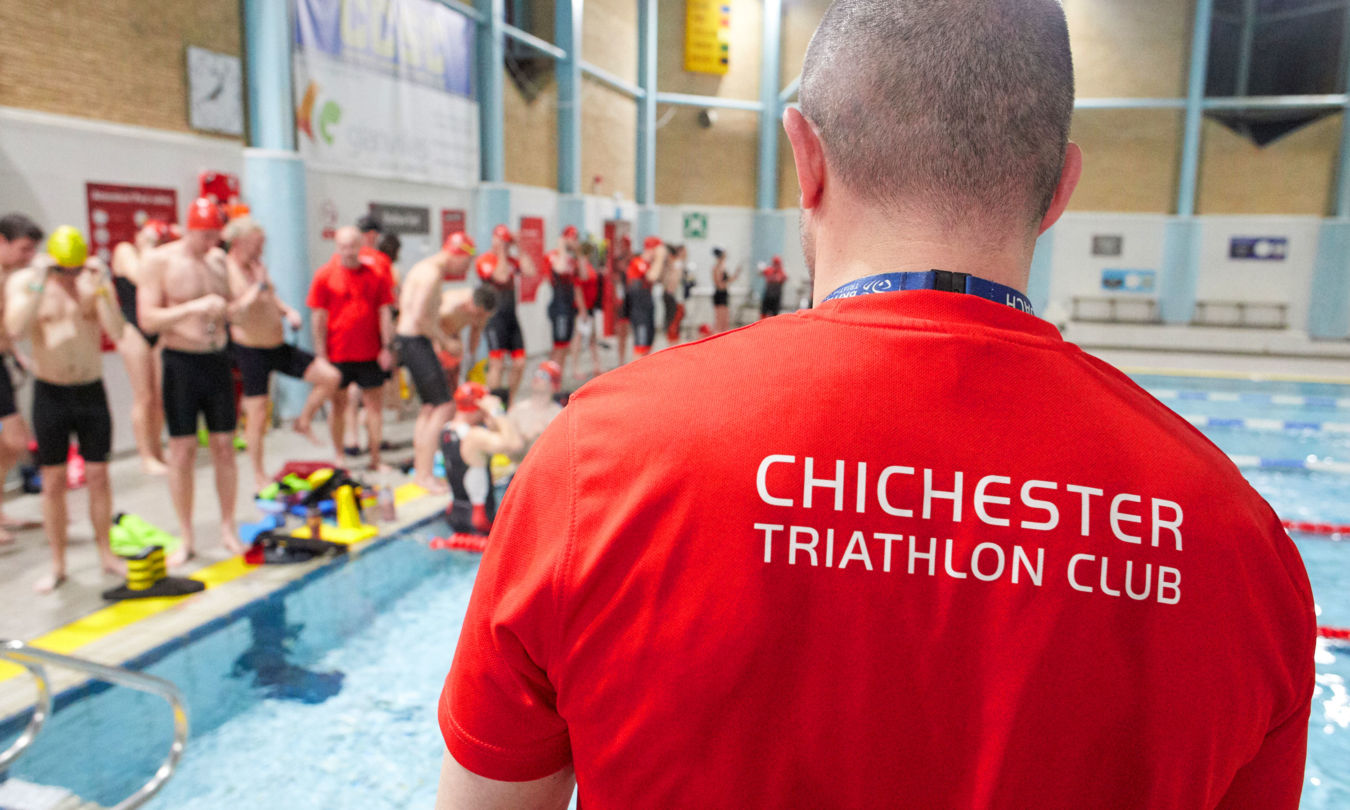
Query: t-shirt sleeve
point(1273, 780)
point(498, 710)
point(386, 289)
point(318, 290)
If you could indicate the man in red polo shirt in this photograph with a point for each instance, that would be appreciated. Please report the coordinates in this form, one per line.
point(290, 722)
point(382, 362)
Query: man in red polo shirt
point(353, 323)
point(998, 575)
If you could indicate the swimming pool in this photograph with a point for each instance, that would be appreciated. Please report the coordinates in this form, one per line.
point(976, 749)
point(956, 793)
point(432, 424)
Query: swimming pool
point(324, 694)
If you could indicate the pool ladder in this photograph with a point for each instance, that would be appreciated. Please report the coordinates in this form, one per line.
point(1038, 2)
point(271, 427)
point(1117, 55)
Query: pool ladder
point(33, 659)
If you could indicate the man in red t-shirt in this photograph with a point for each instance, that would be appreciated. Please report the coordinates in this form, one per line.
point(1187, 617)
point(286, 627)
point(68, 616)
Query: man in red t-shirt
point(353, 324)
point(997, 575)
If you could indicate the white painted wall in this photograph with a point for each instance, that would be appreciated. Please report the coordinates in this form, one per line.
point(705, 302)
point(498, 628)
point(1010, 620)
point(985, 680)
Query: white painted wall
point(1078, 274)
point(1285, 282)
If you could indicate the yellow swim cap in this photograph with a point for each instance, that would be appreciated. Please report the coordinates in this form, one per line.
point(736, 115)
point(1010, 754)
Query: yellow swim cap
point(68, 247)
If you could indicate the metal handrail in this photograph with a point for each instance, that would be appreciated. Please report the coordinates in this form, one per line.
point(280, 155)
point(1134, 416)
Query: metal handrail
point(32, 658)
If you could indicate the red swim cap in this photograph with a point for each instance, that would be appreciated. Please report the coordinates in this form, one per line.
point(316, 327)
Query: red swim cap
point(503, 233)
point(204, 215)
point(468, 394)
point(552, 370)
point(163, 231)
point(651, 243)
point(459, 244)
point(571, 232)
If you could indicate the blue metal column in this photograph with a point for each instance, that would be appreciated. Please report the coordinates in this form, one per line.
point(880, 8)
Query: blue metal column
point(274, 173)
point(769, 228)
point(1329, 303)
point(567, 35)
point(646, 120)
point(1181, 240)
point(491, 58)
point(493, 199)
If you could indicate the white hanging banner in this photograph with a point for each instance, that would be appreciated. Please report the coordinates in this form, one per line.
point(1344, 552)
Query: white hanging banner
point(384, 88)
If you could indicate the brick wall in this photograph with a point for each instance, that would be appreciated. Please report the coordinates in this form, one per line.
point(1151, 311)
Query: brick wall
point(113, 60)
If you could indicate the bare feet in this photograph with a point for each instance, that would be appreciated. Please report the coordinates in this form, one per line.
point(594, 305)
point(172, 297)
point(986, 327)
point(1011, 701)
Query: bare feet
point(153, 466)
point(49, 583)
point(181, 556)
point(379, 468)
point(303, 428)
point(113, 564)
point(12, 523)
point(435, 486)
point(229, 538)
point(6, 539)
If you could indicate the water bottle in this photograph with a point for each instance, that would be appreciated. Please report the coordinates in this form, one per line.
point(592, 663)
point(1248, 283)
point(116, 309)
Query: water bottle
point(384, 499)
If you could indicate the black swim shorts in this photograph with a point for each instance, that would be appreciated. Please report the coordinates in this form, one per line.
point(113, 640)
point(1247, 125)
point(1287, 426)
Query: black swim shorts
point(60, 410)
point(256, 365)
point(198, 383)
point(419, 357)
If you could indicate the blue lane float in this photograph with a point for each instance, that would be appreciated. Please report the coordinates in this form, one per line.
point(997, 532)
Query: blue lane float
point(1266, 425)
point(1310, 464)
point(1286, 400)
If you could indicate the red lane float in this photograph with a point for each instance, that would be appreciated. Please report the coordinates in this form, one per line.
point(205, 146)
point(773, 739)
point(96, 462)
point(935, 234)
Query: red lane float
point(1312, 527)
point(1334, 633)
point(460, 542)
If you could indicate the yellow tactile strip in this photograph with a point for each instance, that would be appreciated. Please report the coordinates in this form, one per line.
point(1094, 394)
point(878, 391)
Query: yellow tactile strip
point(121, 615)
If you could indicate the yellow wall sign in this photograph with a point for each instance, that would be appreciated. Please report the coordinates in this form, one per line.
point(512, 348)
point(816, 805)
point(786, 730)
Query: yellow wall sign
point(707, 36)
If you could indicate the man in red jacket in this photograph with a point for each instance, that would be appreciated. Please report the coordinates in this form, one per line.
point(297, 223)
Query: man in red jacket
point(999, 575)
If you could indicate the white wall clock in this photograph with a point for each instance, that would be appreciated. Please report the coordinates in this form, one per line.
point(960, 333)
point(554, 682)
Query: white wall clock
point(215, 92)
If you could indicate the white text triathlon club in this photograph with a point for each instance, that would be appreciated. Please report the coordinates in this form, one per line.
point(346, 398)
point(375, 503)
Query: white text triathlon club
point(935, 280)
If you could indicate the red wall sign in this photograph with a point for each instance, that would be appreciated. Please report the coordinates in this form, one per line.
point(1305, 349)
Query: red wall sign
point(116, 213)
point(531, 240)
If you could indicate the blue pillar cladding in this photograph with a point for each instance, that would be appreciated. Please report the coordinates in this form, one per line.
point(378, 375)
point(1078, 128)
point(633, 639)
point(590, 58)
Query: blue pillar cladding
point(646, 106)
point(491, 58)
point(648, 224)
point(1329, 304)
point(1181, 263)
point(1042, 262)
point(567, 35)
point(769, 238)
point(492, 207)
point(274, 173)
point(572, 211)
point(766, 193)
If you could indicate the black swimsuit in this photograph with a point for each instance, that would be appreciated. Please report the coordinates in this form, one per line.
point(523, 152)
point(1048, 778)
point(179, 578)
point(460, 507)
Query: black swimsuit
point(457, 471)
point(126, 300)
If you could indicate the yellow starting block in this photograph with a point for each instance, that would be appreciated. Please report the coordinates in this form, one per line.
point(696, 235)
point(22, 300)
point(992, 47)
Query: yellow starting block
point(349, 528)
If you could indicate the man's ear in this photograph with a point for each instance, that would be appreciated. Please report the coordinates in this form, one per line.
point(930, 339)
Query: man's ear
point(1068, 181)
point(809, 155)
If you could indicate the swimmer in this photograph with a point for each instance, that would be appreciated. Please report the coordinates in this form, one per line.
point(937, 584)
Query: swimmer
point(564, 263)
point(138, 348)
point(258, 321)
point(183, 297)
point(351, 303)
point(774, 277)
point(643, 272)
point(64, 304)
point(499, 269)
point(461, 308)
point(532, 414)
point(478, 430)
point(589, 283)
point(416, 337)
point(19, 238)
point(721, 291)
point(672, 289)
point(618, 281)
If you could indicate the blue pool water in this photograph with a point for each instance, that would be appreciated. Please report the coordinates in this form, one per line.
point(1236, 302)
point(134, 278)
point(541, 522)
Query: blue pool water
point(324, 695)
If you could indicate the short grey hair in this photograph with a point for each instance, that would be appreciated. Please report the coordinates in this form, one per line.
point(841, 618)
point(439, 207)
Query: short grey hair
point(963, 105)
point(240, 226)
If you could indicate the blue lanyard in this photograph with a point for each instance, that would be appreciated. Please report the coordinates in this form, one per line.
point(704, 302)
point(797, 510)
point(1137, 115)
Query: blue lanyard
point(935, 280)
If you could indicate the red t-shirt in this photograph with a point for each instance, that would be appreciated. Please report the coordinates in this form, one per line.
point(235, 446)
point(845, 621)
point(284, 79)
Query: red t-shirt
point(353, 299)
point(706, 608)
point(637, 268)
point(589, 282)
